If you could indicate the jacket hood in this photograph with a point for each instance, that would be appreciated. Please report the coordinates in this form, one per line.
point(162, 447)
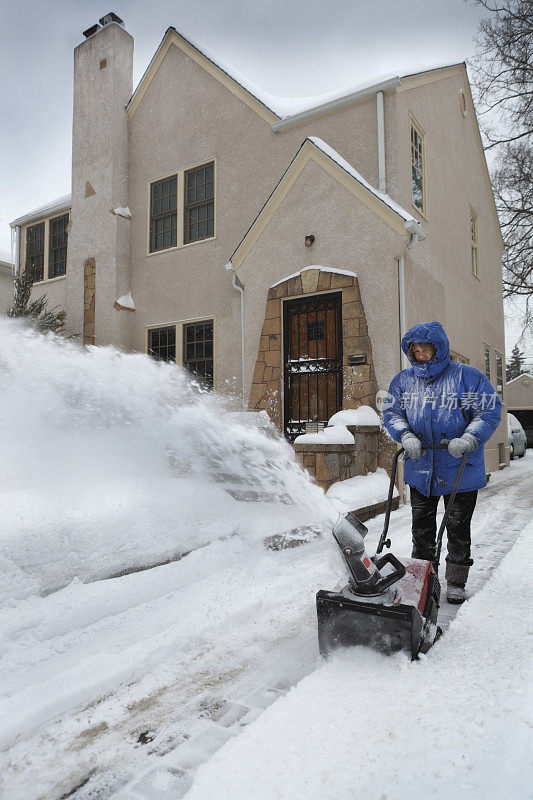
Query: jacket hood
point(429, 332)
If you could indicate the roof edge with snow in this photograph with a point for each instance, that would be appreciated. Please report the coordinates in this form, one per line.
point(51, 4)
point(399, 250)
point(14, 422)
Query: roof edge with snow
point(48, 210)
point(523, 375)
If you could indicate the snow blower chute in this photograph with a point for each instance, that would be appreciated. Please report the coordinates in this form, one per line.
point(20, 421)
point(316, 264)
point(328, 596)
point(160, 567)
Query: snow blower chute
point(389, 604)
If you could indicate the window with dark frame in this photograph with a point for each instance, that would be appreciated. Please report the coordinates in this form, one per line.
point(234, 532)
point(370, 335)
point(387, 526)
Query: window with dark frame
point(417, 168)
point(199, 216)
point(57, 256)
point(486, 351)
point(35, 252)
point(162, 343)
point(164, 214)
point(499, 375)
point(198, 350)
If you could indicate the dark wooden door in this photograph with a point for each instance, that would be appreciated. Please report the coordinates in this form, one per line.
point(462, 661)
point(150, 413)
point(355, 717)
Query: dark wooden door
point(312, 361)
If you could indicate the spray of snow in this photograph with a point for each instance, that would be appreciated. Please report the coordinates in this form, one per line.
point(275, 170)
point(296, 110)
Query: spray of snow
point(113, 461)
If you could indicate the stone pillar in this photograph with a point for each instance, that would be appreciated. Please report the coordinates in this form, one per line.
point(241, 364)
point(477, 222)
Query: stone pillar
point(89, 279)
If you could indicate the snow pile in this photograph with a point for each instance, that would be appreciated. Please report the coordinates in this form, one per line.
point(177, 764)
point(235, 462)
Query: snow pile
point(449, 720)
point(364, 415)
point(126, 301)
point(315, 266)
point(111, 462)
point(363, 490)
point(335, 435)
point(122, 212)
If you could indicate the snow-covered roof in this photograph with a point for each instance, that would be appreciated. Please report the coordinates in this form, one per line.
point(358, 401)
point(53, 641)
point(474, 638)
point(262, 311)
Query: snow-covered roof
point(523, 375)
point(53, 207)
point(289, 109)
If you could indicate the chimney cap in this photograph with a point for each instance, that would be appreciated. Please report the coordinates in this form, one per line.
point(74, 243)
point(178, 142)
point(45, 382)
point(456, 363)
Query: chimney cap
point(90, 31)
point(111, 17)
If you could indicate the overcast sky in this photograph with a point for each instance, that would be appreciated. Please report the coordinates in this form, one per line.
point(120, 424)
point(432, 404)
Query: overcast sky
point(287, 47)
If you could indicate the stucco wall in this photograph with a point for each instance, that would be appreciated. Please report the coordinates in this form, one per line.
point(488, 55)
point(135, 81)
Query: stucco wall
point(187, 117)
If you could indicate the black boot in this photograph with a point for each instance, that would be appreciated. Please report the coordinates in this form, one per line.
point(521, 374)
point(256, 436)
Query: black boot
point(456, 577)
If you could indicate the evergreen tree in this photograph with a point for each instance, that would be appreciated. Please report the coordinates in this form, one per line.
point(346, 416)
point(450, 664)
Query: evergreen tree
point(34, 311)
point(515, 364)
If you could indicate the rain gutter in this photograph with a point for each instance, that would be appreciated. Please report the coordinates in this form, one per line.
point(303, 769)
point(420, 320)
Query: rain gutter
point(334, 105)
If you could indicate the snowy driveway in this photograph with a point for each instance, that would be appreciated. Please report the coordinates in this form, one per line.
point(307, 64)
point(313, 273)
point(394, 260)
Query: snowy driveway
point(124, 687)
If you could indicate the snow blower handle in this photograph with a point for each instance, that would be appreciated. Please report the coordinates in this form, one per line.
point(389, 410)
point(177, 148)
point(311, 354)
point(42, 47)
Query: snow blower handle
point(383, 541)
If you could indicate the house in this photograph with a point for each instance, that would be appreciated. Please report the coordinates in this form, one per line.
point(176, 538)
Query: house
point(520, 402)
point(6, 285)
point(277, 249)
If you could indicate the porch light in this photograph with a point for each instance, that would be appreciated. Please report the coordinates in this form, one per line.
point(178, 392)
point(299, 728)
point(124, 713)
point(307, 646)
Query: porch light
point(309, 239)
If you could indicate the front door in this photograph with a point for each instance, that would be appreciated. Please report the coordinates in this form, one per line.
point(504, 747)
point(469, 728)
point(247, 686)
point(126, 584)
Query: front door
point(312, 360)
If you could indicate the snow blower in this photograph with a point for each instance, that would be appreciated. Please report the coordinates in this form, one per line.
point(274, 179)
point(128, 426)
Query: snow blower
point(389, 603)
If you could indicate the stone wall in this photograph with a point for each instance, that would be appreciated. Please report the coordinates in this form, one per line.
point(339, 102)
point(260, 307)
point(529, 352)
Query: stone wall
point(329, 463)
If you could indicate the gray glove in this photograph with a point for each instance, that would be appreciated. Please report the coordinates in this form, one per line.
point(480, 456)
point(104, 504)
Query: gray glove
point(412, 445)
point(463, 444)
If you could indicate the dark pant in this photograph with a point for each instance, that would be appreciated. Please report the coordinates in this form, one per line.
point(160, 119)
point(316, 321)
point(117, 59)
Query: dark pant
point(458, 526)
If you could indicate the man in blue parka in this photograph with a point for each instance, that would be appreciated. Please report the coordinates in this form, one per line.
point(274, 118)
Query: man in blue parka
point(437, 399)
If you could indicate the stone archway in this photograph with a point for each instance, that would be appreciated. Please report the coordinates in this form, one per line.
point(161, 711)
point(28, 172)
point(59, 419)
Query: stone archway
point(359, 383)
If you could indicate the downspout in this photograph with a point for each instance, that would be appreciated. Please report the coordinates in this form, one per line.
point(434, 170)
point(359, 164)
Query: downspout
point(16, 257)
point(236, 283)
point(417, 234)
point(382, 171)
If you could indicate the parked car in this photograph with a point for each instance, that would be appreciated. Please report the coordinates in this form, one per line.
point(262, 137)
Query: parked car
point(517, 437)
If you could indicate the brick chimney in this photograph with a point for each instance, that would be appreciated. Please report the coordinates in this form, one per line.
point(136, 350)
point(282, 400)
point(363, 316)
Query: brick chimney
point(99, 241)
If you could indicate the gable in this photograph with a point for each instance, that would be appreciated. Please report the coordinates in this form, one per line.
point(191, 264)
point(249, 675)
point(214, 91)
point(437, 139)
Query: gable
point(330, 162)
point(173, 39)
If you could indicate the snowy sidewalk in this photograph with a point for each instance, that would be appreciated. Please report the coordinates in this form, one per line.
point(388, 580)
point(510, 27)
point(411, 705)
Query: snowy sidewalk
point(455, 724)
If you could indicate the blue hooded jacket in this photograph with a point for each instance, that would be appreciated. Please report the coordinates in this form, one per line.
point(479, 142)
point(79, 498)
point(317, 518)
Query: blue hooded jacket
point(441, 400)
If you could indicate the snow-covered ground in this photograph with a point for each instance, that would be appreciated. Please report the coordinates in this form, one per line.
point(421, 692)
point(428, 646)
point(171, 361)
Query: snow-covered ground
point(121, 675)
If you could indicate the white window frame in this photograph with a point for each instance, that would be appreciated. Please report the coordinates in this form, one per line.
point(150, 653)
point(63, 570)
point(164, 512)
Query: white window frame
point(180, 210)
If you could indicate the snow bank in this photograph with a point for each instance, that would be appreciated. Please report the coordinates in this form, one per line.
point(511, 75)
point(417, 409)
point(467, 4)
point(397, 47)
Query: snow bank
point(363, 490)
point(336, 435)
point(365, 725)
point(113, 461)
point(364, 415)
